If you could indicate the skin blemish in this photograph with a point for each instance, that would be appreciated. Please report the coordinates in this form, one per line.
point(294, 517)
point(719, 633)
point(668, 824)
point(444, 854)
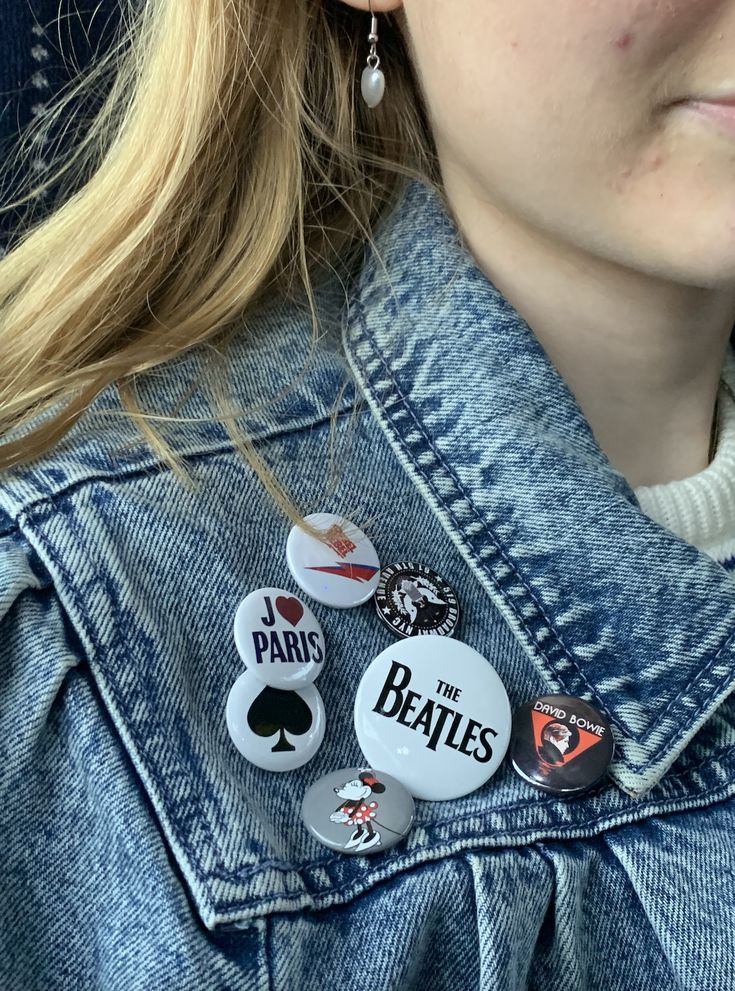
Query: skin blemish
point(621, 181)
point(624, 41)
point(651, 162)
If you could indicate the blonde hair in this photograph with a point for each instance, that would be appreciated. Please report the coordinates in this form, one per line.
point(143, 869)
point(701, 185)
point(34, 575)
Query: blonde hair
point(232, 157)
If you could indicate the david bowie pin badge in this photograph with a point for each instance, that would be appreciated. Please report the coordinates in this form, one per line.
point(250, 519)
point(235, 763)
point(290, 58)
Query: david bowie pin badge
point(358, 810)
point(414, 600)
point(560, 743)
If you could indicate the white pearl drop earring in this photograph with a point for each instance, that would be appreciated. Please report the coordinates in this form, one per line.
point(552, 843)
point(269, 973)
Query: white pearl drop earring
point(372, 84)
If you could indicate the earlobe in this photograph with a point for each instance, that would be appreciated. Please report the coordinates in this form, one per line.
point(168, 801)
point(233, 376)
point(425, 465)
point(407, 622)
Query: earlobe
point(378, 6)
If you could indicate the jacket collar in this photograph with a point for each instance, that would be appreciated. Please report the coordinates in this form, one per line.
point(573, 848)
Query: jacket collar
point(609, 605)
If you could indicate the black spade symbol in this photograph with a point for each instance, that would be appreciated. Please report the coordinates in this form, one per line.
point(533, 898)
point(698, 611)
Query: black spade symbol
point(275, 711)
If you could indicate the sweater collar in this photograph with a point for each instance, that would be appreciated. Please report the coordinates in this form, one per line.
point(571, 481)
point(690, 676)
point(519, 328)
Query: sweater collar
point(609, 605)
point(701, 507)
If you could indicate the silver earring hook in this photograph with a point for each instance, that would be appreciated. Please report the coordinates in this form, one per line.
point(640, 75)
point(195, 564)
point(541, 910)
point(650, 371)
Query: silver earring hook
point(373, 60)
point(373, 81)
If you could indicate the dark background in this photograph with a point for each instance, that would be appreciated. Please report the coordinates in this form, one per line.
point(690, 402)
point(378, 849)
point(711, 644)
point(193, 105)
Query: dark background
point(45, 44)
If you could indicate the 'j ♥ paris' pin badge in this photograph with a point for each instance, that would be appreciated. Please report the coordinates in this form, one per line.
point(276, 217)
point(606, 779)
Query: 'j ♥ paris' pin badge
point(278, 638)
point(275, 729)
point(341, 572)
point(560, 744)
point(358, 810)
point(434, 713)
point(414, 600)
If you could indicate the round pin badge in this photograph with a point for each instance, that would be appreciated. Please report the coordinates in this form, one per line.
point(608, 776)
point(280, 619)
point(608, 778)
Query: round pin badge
point(275, 729)
point(560, 743)
point(434, 713)
point(343, 572)
point(414, 600)
point(358, 810)
point(278, 638)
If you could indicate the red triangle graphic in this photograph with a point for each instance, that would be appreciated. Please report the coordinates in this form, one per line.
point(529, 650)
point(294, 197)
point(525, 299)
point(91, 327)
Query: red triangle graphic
point(586, 739)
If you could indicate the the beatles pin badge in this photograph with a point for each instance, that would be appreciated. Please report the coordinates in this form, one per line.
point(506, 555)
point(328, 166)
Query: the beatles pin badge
point(413, 600)
point(434, 713)
point(358, 810)
point(560, 743)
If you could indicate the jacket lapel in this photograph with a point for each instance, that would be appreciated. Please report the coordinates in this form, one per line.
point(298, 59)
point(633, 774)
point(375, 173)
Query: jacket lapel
point(611, 606)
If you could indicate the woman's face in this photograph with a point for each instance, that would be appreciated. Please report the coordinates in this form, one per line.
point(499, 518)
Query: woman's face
point(558, 114)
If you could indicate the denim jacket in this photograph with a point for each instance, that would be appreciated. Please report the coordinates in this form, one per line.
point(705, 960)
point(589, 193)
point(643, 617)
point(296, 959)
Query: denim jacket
point(140, 850)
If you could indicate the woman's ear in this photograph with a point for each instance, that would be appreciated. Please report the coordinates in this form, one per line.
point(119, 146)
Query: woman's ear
point(379, 6)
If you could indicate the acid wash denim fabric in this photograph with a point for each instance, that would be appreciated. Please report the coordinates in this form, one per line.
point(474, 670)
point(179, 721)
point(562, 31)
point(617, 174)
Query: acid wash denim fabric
point(141, 851)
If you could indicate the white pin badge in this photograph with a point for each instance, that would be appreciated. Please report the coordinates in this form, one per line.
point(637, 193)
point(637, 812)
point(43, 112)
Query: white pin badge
point(434, 713)
point(343, 572)
point(277, 730)
point(279, 638)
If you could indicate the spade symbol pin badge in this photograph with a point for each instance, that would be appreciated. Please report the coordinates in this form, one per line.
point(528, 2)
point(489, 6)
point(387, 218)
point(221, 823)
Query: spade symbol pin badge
point(275, 729)
point(278, 711)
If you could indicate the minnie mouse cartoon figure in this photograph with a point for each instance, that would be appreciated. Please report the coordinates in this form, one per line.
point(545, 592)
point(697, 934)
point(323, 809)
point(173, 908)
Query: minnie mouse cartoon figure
point(356, 810)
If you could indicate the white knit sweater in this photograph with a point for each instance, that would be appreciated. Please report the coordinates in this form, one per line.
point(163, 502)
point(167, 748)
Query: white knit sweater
point(701, 508)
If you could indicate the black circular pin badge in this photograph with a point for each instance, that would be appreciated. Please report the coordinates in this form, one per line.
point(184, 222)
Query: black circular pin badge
point(412, 600)
point(560, 743)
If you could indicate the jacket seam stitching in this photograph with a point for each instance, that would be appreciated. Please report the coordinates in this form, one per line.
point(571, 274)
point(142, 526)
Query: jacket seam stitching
point(124, 714)
point(37, 507)
point(427, 473)
point(520, 836)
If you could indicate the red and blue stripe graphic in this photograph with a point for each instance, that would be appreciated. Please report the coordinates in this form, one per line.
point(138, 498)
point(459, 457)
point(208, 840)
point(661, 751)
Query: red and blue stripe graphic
point(358, 572)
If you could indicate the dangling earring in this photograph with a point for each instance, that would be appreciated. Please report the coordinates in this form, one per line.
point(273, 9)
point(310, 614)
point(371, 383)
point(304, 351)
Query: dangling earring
point(372, 83)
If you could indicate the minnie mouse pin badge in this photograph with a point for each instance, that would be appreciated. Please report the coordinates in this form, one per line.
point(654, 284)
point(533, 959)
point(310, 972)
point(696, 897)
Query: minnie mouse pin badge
point(358, 810)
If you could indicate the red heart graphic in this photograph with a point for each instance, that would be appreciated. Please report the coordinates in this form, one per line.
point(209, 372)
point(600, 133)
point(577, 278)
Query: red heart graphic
point(291, 609)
